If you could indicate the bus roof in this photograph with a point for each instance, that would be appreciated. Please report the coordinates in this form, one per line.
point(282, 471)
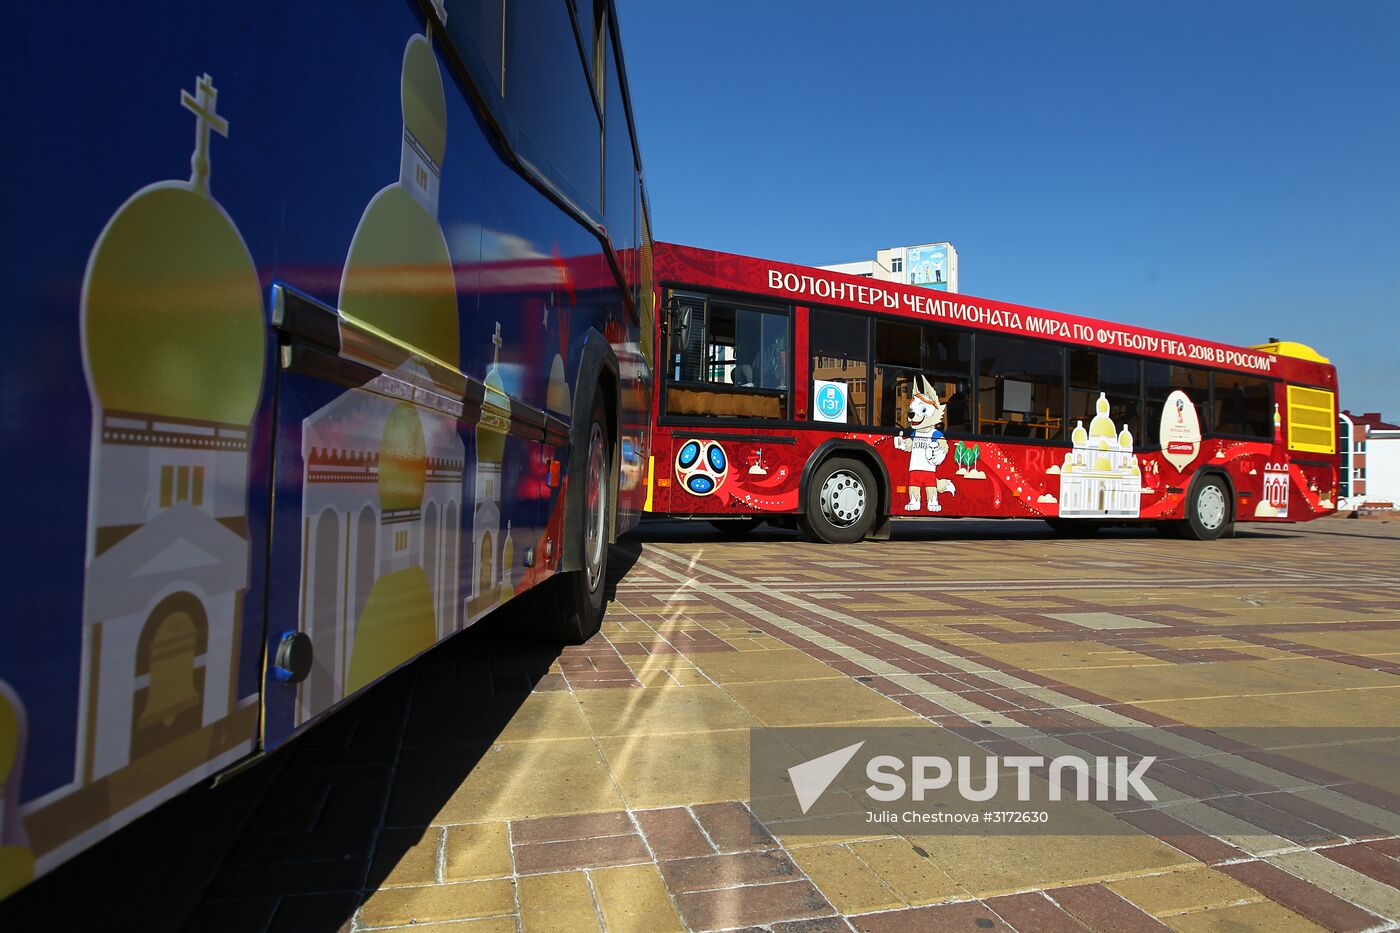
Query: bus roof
point(694, 266)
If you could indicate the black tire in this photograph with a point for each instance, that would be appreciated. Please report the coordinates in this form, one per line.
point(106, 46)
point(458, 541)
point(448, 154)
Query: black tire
point(843, 512)
point(737, 526)
point(1073, 527)
point(1208, 511)
point(569, 606)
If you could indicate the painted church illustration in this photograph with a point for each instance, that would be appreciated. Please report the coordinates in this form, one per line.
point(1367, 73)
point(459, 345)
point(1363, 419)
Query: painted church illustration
point(383, 476)
point(1100, 476)
point(173, 354)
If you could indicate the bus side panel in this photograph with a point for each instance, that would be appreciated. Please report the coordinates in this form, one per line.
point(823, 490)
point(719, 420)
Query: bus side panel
point(982, 477)
point(131, 646)
point(404, 515)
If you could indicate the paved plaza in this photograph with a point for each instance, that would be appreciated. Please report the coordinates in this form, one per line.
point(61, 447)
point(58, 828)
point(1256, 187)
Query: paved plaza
point(499, 786)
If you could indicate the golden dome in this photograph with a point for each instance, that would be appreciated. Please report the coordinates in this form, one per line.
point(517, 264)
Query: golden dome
point(398, 276)
point(1125, 438)
point(1080, 436)
point(1102, 425)
point(396, 623)
point(403, 460)
point(424, 103)
point(173, 312)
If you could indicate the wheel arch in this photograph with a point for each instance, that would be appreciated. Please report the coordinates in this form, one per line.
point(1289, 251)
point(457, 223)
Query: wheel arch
point(597, 378)
point(1219, 473)
point(858, 450)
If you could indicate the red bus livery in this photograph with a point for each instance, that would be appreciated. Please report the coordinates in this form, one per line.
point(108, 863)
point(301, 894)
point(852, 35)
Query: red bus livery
point(786, 392)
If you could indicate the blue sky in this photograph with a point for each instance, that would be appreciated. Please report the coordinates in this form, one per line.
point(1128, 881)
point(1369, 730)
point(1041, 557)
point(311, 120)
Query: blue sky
point(1223, 170)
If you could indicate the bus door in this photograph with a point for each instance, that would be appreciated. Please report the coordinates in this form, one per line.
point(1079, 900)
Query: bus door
point(368, 471)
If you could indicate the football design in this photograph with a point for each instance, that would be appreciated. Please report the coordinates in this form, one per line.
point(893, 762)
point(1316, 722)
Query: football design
point(701, 467)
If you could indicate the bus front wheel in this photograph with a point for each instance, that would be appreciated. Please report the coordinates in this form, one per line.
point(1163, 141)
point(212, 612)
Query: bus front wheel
point(841, 502)
point(1207, 511)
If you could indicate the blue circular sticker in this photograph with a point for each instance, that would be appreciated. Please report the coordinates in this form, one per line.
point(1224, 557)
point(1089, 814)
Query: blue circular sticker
point(831, 401)
point(717, 458)
point(689, 454)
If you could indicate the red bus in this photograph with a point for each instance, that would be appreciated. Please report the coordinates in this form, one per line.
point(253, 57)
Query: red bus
point(790, 393)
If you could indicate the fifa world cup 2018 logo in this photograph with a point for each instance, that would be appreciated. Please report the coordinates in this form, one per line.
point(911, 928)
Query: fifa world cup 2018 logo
point(701, 467)
point(1180, 410)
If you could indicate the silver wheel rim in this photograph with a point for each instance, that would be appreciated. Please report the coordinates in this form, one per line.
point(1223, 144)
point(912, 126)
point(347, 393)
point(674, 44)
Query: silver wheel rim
point(1210, 507)
point(843, 498)
point(595, 507)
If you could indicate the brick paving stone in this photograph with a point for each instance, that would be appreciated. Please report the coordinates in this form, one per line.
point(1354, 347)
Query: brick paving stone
point(1367, 860)
point(1098, 908)
point(577, 826)
point(815, 925)
point(314, 912)
point(972, 916)
point(732, 827)
point(580, 853)
point(634, 899)
point(401, 906)
point(673, 833)
point(557, 903)
point(1033, 912)
point(473, 851)
point(755, 904)
point(726, 871)
point(1297, 895)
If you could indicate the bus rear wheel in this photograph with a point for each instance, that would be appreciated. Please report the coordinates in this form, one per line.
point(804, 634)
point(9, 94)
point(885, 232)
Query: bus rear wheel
point(1208, 511)
point(841, 502)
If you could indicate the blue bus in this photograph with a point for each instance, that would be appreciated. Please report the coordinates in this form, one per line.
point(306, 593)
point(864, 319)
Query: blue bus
point(331, 334)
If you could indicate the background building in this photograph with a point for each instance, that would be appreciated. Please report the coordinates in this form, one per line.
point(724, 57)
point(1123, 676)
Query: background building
point(1369, 467)
point(930, 265)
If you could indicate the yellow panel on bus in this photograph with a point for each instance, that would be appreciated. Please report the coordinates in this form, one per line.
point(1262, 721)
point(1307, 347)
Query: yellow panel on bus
point(1312, 420)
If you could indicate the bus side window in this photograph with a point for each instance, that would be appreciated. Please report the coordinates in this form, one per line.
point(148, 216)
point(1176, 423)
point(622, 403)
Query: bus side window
point(1117, 377)
point(1161, 380)
point(1244, 404)
point(840, 348)
point(1020, 388)
point(730, 362)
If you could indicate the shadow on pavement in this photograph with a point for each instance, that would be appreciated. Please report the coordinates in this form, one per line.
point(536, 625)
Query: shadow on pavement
point(297, 840)
point(682, 531)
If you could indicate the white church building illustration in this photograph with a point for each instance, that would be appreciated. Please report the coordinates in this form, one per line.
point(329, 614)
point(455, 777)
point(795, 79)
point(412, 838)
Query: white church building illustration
point(384, 463)
point(1100, 476)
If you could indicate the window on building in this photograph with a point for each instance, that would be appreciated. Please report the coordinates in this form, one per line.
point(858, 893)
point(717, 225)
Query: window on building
point(1020, 388)
point(1244, 405)
point(1161, 380)
point(839, 344)
point(897, 264)
point(735, 363)
point(1117, 377)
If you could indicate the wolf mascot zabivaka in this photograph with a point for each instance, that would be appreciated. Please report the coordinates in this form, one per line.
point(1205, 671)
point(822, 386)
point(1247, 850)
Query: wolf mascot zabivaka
point(926, 445)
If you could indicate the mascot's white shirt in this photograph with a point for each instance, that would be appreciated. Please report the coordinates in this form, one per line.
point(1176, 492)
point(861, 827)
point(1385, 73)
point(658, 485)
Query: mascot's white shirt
point(925, 452)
